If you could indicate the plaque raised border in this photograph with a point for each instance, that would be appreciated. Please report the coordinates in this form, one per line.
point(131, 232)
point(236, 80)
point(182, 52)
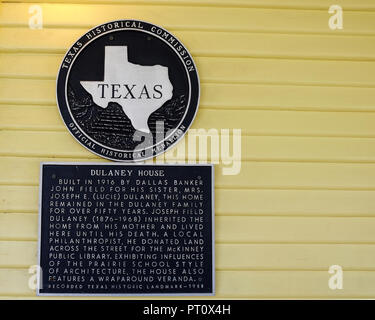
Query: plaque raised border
point(39, 279)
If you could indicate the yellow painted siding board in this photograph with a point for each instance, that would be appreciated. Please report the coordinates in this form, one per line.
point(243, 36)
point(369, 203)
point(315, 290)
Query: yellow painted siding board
point(214, 69)
point(229, 202)
point(240, 229)
point(243, 284)
point(223, 96)
point(18, 226)
point(18, 171)
point(23, 254)
point(19, 199)
point(185, 17)
point(18, 254)
point(299, 4)
point(252, 122)
point(210, 43)
point(302, 94)
point(263, 148)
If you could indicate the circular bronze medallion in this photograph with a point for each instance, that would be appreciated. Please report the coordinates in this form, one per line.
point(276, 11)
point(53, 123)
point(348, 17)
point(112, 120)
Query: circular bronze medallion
point(128, 90)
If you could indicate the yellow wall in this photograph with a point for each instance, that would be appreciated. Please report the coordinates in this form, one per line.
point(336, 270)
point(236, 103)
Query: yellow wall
point(303, 95)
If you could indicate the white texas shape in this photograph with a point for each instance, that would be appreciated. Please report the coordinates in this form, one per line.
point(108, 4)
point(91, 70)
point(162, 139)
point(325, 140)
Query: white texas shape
point(140, 90)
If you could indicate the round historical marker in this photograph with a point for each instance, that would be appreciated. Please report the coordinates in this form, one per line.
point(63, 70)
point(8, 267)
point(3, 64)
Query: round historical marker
point(128, 90)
